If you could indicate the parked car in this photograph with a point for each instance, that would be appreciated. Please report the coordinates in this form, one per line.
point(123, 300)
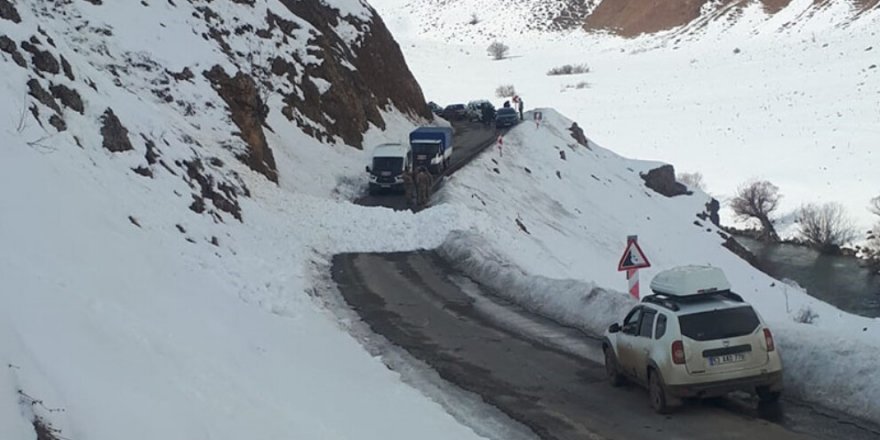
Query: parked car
point(693, 337)
point(435, 108)
point(506, 117)
point(454, 112)
point(475, 109)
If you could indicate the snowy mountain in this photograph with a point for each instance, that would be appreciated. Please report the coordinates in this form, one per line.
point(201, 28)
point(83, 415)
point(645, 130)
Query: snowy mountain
point(155, 278)
point(472, 20)
point(788, 95)
point(179, 173)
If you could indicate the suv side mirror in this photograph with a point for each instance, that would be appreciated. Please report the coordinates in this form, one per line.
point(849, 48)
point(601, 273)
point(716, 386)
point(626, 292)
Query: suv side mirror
point(368, 168)
point(614, 328)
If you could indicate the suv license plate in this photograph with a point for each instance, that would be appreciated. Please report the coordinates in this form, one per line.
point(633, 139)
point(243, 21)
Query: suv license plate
point(726, 359)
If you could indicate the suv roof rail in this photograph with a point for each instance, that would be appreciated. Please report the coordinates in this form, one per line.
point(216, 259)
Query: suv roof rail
point(661, 300)
point(672, 302)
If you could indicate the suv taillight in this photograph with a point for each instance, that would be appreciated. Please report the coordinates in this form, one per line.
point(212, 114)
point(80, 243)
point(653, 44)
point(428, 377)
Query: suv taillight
point(768, 338)
point(678, 352)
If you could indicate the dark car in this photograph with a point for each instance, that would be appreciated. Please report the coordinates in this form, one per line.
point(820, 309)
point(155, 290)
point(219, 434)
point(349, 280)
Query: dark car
point(454, 112)
point(506, 117)
point(435, 108)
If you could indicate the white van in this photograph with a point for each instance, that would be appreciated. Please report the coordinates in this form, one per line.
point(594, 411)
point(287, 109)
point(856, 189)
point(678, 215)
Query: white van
point(387, 165)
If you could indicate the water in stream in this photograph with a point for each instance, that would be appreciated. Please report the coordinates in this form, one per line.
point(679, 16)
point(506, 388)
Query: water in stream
point(837, 280)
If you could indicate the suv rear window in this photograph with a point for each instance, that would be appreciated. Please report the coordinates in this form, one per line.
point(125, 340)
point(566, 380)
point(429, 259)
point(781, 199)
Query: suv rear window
point(719, 324)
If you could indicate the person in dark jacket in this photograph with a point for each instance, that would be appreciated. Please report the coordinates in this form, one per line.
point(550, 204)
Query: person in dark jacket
point(506, 104)
point(488, 114)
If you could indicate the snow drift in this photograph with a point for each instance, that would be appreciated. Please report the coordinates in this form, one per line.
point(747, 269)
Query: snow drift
point(555, 217)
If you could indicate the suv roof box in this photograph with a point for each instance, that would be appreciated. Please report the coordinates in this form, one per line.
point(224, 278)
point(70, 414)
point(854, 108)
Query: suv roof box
point(690, 281)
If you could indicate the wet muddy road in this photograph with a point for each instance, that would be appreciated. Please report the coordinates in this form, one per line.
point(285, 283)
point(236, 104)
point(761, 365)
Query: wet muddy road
point(514, 361)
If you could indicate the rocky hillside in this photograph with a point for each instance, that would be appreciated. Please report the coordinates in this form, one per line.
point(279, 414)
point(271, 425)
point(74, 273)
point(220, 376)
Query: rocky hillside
point(633, 17)
point(180, 87)
point(481, 19)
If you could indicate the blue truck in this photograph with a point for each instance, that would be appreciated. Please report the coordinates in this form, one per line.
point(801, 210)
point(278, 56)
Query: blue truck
point(431, 148)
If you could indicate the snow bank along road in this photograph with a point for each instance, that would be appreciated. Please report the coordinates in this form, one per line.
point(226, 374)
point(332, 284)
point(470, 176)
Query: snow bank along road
point(470, 139)
point(513, 361)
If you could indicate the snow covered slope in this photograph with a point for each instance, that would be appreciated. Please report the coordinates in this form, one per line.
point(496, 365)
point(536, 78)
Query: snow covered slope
point(153, 280)
point(555, 217)
point(790, 97)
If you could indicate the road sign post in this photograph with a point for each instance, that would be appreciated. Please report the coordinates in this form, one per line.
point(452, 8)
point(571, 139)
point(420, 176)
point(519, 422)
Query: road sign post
point(632, 260)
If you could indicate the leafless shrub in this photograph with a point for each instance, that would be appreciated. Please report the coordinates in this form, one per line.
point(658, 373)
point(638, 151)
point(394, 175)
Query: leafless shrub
point(498, 50)
point(875, 205)
point(505, 91)
point(569, 69)
point(872, 250)
point(578, 86)
point(826, 227)
point(806, 315)
point(692, 180)
point(758, 199)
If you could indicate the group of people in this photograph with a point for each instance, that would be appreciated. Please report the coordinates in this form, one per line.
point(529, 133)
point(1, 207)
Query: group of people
point(417, 186)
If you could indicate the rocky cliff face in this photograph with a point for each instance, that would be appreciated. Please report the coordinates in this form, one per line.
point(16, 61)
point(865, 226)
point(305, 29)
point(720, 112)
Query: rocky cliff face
point(633, 17)
point(179, 87)
point(366, 75)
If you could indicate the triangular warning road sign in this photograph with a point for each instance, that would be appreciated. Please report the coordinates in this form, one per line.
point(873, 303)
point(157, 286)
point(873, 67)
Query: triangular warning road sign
point(633, 257)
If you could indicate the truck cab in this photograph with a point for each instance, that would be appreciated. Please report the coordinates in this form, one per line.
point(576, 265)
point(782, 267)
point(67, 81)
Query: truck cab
point(387, 165)
point(432, 148)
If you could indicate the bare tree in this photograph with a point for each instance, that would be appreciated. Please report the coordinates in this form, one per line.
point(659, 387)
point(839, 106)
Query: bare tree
point(826, 227)
point(498, 50)
point(872, 250)
point(758, 199)
point(875, 205)
point(692, 180)
point(505, 91)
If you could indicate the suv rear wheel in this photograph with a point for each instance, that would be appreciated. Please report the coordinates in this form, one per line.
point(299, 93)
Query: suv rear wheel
point(657, 391)
point(766, 395)
point(614, 376)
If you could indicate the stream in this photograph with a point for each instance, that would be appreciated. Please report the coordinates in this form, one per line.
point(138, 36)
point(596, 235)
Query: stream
point(837, 280)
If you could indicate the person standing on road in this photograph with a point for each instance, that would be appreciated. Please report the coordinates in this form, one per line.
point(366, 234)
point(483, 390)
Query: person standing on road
point(520, 105)
point(409, 187)
point(423, 187)
point(488, 114)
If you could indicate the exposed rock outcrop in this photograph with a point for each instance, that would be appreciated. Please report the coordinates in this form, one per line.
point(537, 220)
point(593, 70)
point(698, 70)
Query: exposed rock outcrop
point(630, 18)
point(249, 112)
point(711, 212)
point(662, 180)
point(36, 90)
point(69, 97)
point(114, 133)
point(354, 97)
point(8, 11)
point(43, 60)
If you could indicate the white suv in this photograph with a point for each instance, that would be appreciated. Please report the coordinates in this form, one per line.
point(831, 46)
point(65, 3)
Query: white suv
point(693, 338)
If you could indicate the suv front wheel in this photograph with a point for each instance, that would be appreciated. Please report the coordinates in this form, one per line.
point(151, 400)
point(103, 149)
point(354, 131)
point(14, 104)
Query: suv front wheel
point(614, 376)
